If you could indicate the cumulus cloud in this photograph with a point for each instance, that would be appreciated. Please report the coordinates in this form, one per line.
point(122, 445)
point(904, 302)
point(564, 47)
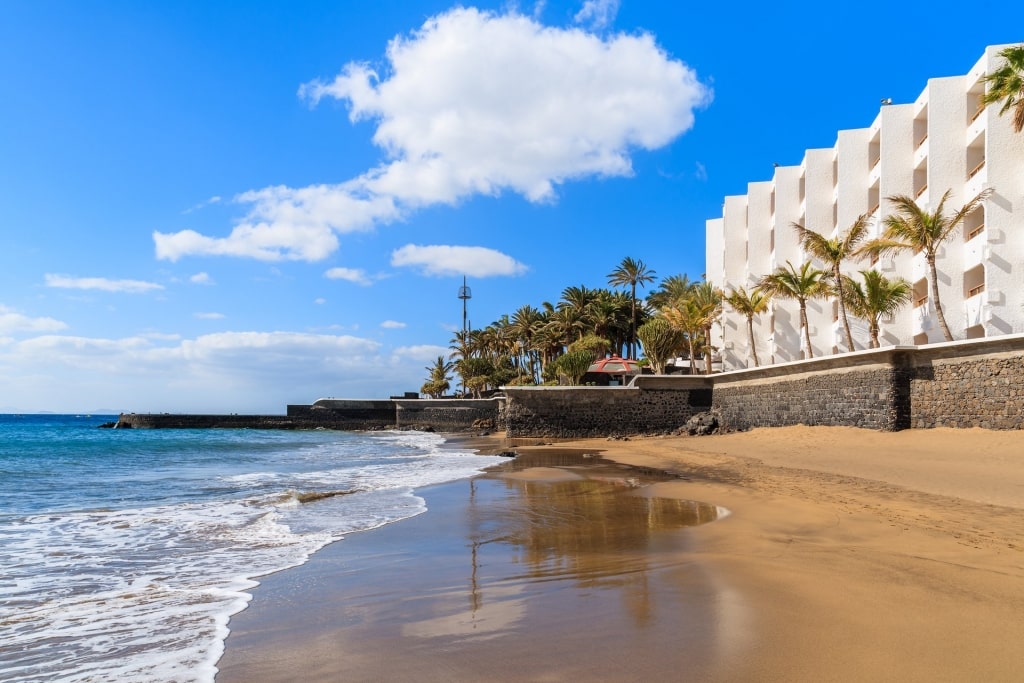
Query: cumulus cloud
point(354, 275)
point(472, 103)
point(392, 325)
point(210, 316)
point(597, 14)
point(100, 283)
point(443, 259)
point(201, 279)
point(11, 321)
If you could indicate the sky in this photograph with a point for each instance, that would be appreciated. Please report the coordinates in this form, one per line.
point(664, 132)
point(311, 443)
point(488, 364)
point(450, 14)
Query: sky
point(230, 207)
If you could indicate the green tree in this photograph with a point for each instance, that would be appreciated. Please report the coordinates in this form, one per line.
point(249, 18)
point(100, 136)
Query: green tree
point(877, 297)
point(574, 364)
point(832, 252)
point(661, 341)
point(801, 285)
point(687, 316)
point(913, 228)
point(1006, 85)
point(631, 272)
point(439, 380)
point(709, 301)
point(749, 305)
point(670, 289)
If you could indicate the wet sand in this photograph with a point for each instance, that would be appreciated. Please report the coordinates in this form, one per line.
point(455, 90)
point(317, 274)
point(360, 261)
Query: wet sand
point(848, 555)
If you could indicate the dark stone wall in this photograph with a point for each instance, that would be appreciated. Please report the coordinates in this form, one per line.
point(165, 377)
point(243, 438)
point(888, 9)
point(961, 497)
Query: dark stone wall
point(574, 412)
point(986, 393)
point(449, 415)
point(858, 398)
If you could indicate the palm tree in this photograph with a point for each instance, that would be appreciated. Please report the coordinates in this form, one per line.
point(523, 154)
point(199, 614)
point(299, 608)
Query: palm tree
point(709, 301)
point(439, 379)
point(832, 252)
point(914, 228)
point(686, 315)
point(669, 289)
point(800, 285)
point(749, 305)
point(877, 297)
point(631, 272)
point(1006, 85)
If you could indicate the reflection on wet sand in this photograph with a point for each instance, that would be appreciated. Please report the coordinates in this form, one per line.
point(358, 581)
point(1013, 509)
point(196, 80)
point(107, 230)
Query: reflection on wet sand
point(551, 569)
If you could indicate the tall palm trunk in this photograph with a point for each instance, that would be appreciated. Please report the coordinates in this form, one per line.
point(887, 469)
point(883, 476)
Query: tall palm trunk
point(873, 331)
point(632, 321)
point(707, 350)
point(807, 328)
point(933, 280)
point(750, 339)
point(842, 307)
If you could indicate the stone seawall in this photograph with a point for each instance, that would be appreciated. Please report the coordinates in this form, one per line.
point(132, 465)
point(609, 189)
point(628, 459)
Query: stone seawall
point(449, 415)
point(443, 415)
point(952, 390)
point(650, 405)
point(978, 383)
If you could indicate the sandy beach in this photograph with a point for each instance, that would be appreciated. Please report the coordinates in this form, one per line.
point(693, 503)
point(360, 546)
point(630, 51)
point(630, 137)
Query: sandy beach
point(846, 555)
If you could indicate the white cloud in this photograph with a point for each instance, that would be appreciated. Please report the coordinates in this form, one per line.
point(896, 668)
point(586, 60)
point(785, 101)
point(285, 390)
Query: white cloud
point(354, 275)
point(319, 301)
point(203, 204)
point(392, 325)
point(11, 321)
point(100, 283)
point(210, 316)
point(421, 353)
point(452, 260)
point(201, 279)
point(471, 103)
point(224, 372)
point(597, 14)
point(701, 173)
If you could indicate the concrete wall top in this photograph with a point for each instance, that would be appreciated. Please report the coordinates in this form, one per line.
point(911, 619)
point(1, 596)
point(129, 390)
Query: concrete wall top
point(672, 382)
point(353, 403)
point(427, 403)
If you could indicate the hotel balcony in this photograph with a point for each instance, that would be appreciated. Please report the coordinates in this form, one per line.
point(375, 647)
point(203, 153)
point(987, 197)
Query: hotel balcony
point(976, 249)
point(977, 177)
point(977, 310)
point(921, 153)
point(976, 128)
point(875, 173)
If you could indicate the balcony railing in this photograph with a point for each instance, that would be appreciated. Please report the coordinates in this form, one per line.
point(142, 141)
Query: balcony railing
point(918, 303)
point(873, 209)
point(974, 233)
point(875, 162)
point(922, 140)
point(922, 190)
point(975, 170)
point(977, 113)
point(975, 291)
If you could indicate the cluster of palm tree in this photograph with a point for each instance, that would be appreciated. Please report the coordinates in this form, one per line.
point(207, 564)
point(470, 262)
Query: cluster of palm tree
point(909, 228)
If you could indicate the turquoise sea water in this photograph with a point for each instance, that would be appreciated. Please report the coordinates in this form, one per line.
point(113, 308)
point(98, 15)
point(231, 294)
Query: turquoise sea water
point(124, 552)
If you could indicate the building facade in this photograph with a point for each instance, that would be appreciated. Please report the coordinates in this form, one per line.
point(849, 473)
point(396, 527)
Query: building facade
point(945, 140)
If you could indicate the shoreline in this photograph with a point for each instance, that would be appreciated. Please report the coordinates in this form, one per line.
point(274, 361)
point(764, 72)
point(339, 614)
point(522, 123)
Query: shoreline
point(849, 555)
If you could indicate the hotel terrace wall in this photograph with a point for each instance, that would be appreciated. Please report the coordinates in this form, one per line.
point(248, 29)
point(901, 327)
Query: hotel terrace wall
point(943, 140)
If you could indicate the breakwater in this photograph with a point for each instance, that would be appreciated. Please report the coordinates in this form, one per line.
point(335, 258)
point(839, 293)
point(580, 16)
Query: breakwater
point(447, 415)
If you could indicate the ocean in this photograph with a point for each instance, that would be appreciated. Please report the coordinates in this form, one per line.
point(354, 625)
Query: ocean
point(125, 552)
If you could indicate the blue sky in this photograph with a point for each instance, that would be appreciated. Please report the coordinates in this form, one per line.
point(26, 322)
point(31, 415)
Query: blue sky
point(229, 207)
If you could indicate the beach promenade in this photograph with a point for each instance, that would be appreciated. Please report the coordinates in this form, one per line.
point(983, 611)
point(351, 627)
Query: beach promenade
point(847, 555)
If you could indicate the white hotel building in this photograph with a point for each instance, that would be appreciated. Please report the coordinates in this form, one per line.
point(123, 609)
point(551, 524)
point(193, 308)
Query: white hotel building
point(943, 140)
